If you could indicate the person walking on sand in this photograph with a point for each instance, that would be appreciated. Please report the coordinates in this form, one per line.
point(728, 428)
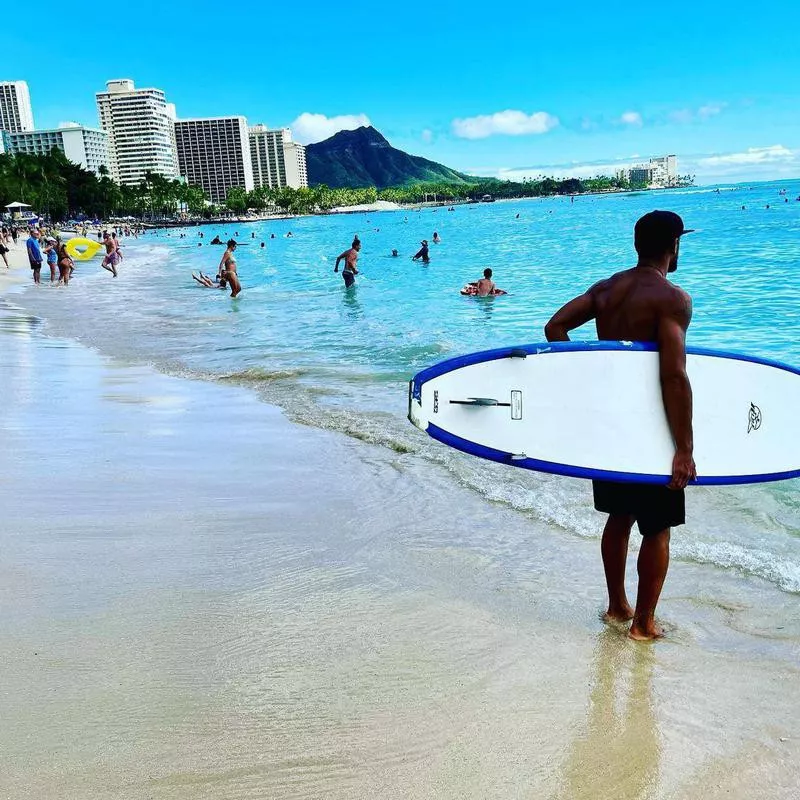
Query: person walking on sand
point(350, 269)
point(640, 304)
point(35, 256)
point(227, 269)
point(423, 252)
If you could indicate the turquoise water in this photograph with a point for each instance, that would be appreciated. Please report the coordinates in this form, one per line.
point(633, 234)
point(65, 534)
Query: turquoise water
point(340, 359)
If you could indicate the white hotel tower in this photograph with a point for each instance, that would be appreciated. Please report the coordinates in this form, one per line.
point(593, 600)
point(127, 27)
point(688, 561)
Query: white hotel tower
point(277, 160)
point(141, 131)
point(16, 114)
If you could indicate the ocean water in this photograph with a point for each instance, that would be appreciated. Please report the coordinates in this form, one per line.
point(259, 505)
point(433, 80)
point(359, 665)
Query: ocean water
point(340, 360)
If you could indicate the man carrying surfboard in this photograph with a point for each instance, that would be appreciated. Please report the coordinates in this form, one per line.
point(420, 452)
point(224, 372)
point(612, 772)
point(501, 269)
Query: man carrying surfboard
point(640, 304)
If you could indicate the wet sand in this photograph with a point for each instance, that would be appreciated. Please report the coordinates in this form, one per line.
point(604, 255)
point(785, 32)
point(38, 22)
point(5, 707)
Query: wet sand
point(202, 600)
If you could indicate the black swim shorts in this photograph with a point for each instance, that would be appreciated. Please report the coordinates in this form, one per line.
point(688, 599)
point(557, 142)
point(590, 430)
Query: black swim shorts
point(655, 507)
point(349, 278)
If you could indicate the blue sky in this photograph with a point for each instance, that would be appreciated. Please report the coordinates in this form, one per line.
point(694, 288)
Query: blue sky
point(586, 85)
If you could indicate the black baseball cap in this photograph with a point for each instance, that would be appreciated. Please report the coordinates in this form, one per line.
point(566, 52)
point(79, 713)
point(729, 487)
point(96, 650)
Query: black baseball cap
point(660, 226)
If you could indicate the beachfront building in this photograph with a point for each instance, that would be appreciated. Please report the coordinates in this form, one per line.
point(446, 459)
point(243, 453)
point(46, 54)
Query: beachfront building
point(277, 160)
point(16, 113)
point(87, 147)
point(214, 154)
point(659, 172)
point(141, 131)
point(665, 170)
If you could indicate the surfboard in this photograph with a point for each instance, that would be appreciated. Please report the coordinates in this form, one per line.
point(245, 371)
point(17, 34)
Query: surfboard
point(594, 410)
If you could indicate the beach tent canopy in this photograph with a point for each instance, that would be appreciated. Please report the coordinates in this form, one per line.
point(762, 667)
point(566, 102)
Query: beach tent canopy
point(17, 205)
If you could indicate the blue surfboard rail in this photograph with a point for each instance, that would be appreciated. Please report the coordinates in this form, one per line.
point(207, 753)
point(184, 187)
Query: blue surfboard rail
point(570, 470)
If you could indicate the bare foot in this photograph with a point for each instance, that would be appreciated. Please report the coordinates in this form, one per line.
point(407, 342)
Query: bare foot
point(618, 614)
point(645, 633)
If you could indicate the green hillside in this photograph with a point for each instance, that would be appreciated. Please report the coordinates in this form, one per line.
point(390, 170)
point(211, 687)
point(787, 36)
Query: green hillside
point(363, 157)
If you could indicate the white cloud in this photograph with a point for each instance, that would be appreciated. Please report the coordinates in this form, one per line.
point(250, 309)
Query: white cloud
point(685, 115)
point(710, 110)
point(510, 123)
point(308, 128)
point(775, 153)
point(427, 136)
point(631, 118)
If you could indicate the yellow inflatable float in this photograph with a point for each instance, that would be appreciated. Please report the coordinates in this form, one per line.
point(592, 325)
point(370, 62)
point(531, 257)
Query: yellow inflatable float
point(81, 249)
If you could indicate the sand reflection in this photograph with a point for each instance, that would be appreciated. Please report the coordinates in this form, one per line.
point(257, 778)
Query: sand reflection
point(618, 754)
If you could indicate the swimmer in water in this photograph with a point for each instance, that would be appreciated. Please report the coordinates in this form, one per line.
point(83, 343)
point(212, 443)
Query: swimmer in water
point(227, 269)
point(394, 253)
point(423, 253)
point(205, 280)
point(436, 238)
point(485, 285)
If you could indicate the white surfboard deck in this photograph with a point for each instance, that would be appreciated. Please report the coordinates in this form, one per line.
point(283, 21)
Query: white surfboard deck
point(594, 410)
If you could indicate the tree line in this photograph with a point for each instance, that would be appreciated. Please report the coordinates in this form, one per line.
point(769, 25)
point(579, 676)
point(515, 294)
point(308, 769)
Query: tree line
point(61, 190)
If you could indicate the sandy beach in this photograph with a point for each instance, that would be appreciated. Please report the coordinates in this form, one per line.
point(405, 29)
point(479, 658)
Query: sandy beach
point(203, 600)
point(18, 269)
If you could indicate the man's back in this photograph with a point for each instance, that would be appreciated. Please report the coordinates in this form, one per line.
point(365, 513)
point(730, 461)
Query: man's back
point(630, 304)
point(485, 287)
point(640, 304)
point(350, 259)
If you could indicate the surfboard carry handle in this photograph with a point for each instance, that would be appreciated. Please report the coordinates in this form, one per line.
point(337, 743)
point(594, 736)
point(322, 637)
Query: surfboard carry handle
point(518, 352)
point(478, 401)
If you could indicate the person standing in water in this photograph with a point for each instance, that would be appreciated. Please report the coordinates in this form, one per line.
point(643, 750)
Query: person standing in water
point(350, 269)
point(35, 256)
point(423, 253)
point(227, 269)
point(65, 264)
point(640, 304)
point(51, 254)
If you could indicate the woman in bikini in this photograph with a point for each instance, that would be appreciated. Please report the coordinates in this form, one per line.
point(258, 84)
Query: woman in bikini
point(227, 269)
point(65, 264)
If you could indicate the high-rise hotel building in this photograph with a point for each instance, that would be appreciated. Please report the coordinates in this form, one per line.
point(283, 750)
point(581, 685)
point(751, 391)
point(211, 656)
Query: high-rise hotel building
point(277, 160)
point(141, 131)
point(214, 154)
point(16, 114)
point(86, 147)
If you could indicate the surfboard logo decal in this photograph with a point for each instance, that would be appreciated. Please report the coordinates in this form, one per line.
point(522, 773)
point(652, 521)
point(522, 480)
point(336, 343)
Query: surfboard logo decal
point(754, 419)
point(435, 401)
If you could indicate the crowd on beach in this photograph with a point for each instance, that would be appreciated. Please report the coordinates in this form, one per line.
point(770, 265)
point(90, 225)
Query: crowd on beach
point(46, 246)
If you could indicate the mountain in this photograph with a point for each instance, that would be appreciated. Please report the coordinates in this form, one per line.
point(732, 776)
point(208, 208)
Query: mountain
point(363, 157)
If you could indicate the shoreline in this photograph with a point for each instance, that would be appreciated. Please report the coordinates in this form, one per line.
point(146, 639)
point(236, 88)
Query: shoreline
point(235, 605)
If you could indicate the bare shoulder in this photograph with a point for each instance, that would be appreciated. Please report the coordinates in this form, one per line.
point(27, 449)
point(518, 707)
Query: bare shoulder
point(608, 283)
point(678, 303)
